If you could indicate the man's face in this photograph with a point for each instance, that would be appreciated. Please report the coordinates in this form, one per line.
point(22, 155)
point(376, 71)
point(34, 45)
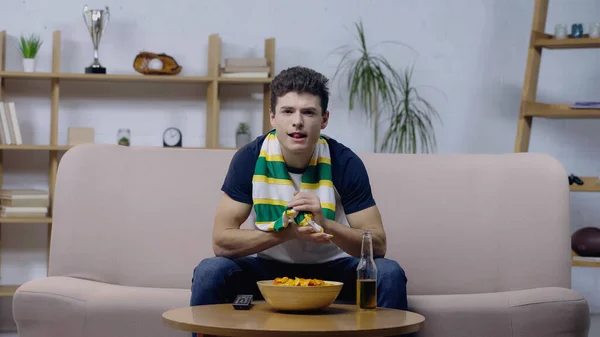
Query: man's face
point(298, 121)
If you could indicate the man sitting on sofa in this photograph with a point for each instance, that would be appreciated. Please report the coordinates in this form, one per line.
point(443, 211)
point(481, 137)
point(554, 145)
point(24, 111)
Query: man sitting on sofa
point(294, 167)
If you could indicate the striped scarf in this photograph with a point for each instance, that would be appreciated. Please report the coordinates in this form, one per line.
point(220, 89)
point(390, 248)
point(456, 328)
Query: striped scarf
point(273, 189)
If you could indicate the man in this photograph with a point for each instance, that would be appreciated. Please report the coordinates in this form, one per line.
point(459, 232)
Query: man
point(294, 171)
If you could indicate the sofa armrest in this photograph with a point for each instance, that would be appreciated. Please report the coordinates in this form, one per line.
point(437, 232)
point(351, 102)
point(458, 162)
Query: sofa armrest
point(547, 312)
point(66, 306)
point(50, 307)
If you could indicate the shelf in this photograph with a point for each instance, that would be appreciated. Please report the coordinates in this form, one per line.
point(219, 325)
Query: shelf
point(107, 77)
point(582, 261)
point(35, 147)
point(589, 185)
point(593, 264)
point(131, 78)
point(549, 42)
point(244, 80)
point(67, 147)
point(21, 75)
point(8, 290)
point(534, 109)
point(210, 86)
point(26, 220)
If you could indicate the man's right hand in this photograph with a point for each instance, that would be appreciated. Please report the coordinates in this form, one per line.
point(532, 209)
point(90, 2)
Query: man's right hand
point(306, 233)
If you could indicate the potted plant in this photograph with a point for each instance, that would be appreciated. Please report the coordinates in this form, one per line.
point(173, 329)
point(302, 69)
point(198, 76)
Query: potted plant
point(29, 48)
point(123, 137)
point(383, 91)
point(242, 135)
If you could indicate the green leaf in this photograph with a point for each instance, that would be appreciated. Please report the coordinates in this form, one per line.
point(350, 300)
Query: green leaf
point(29, 47)
point(384, 92)
point(412, 123)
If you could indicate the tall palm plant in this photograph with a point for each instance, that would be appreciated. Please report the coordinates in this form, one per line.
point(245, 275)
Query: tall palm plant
point(382, 91)
point(411, 120)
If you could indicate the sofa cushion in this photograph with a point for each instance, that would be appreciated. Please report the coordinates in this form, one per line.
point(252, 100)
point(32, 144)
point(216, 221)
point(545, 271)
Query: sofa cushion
point(549, 312)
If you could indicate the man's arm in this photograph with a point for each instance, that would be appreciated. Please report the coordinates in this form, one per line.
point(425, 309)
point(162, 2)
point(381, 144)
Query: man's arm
point(352, 181)
point(349, 239)
point(229, 240)
point(360, 207)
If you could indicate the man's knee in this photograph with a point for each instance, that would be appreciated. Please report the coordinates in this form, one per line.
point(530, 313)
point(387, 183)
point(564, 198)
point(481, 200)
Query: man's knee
point(212, 268)
point(392, 284)
point(391, 270)
point(209, 280)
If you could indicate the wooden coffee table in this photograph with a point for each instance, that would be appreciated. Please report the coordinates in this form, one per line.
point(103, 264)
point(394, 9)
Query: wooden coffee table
point(262, 320)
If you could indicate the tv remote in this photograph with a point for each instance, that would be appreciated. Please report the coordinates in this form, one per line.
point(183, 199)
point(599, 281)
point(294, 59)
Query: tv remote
point(243, 302)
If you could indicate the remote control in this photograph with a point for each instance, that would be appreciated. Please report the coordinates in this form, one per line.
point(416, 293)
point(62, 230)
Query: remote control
point(243, 302)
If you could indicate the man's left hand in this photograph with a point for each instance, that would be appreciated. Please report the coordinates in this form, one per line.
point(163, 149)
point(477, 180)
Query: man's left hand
point(308, 202)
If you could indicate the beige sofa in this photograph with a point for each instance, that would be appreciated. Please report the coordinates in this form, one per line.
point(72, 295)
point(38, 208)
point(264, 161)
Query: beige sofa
point(484, 240)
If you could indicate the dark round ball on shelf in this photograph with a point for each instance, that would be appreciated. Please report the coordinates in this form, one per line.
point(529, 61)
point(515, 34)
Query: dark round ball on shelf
point(586, 242)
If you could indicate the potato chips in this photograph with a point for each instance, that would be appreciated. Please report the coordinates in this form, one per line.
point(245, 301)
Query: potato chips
point(299, 282)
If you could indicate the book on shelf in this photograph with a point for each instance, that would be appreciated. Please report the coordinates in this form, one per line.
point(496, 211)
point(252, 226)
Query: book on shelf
point(246, 75)
point(24, 203)
point(585, 105)
point(246, 62)
point(23, 212)
point(10, 131)
point(229, 70)
point(245, 68)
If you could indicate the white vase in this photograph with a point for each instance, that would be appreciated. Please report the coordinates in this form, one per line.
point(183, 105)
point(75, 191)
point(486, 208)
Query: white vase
point(242, 139)
point(561, 31)
point(595, 30)
point(28, 65)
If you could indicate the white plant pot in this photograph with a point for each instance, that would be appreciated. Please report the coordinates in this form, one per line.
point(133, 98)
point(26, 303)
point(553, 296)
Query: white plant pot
point(242, 139)
point(28, 65)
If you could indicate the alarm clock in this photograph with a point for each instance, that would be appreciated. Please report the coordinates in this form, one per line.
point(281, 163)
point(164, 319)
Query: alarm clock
point(172, 137)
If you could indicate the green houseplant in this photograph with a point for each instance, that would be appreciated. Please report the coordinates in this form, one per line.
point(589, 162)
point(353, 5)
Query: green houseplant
point(382, 91)
point(29, 48)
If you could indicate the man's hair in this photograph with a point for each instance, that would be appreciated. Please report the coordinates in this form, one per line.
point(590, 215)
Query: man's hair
point(301, 80)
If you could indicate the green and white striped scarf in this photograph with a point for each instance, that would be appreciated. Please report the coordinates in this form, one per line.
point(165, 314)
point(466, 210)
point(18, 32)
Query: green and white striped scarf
point(273, 189)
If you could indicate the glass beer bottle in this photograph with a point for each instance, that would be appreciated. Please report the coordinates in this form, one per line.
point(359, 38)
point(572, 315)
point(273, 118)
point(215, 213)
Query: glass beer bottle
point(366, 276)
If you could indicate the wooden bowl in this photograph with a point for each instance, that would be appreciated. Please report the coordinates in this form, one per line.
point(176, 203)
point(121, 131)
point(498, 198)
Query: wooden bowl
point(299, 298)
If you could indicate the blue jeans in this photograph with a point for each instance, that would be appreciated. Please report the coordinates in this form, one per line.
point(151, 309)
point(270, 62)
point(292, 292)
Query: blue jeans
point(220, 280)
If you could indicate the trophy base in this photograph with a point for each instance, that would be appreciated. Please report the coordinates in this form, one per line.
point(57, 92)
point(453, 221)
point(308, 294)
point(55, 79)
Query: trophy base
point(95, 70)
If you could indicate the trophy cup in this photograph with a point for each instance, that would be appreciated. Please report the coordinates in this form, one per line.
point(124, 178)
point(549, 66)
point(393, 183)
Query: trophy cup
point(96, 21)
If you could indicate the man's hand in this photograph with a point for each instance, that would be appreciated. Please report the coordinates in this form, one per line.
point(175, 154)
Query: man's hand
point(308, 202)
point(306, 233)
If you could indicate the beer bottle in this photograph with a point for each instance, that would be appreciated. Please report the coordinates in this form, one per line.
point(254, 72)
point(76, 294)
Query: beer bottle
point(366, 276)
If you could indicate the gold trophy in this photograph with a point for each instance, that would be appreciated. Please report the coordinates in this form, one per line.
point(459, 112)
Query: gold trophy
point(96, 21)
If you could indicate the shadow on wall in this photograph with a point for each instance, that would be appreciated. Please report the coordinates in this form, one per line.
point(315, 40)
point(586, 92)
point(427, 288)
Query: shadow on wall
point(503, 60)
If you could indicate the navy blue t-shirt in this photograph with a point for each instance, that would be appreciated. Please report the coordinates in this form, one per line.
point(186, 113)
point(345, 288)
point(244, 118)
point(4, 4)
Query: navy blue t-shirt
point(349, 175)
